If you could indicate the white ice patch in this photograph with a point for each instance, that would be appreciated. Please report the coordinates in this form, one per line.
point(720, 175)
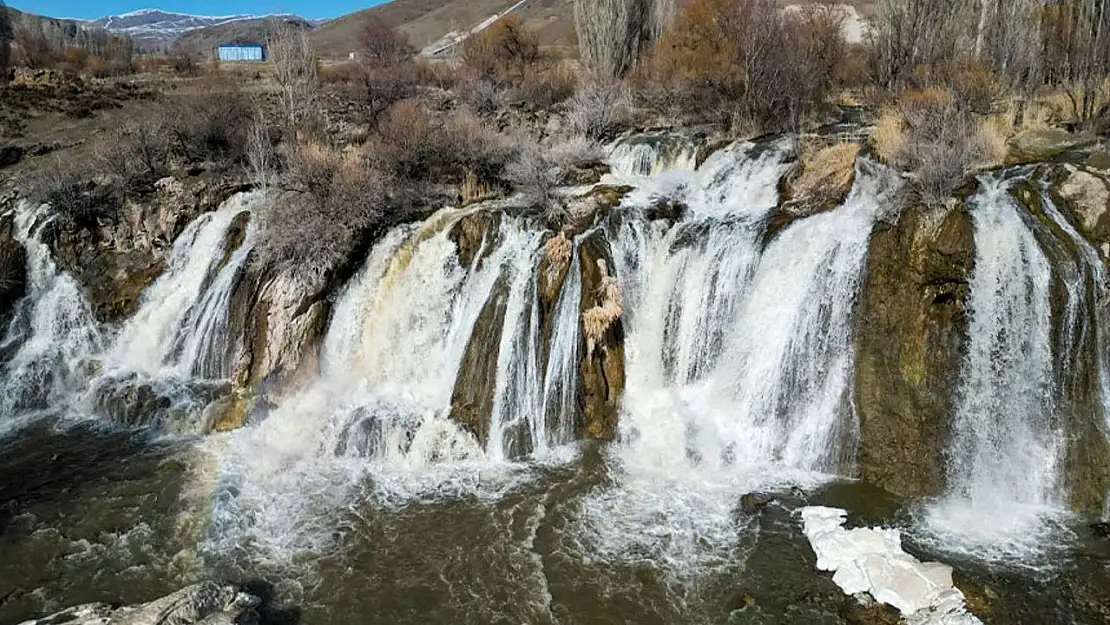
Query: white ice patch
point(872, 561)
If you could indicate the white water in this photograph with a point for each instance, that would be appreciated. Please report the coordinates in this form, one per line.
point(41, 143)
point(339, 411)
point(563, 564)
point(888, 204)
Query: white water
point(180, 329)
point(53, 327)
point(561, 373)
point(739, 353)
point(378, 416)
point(1005, 456)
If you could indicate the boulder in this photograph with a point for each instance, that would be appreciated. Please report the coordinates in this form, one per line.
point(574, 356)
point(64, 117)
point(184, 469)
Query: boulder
point(911, 325)
point(207, 603)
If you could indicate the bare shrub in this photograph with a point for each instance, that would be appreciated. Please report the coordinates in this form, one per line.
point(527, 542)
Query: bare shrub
point(183, 62)
point(744, 62)
point(262, 154)
point(906, 34)
point(379, 44)
point(537, 171)
point(939, 140)
point(549, 83)
point(1076, 44)
point(64, 184)
point(211, 127)
point(136, 154)
point(503, 52)
point(482, 97)
point(331, 202)
point(599, 109)
point(414, 144)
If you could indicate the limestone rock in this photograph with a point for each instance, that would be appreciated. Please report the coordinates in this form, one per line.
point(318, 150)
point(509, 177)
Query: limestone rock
point(1087, 197)
point(476, 235)
point(911, 326)
point(207, 603)
point(117, 257)
point(1044, 144)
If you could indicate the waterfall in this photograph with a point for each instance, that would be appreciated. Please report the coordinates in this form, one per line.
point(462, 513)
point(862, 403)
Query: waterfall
point(561, 373)
point(650, 155)
point(53, 333)
point(1005, 455)
point(742, 356)
point(180, 329)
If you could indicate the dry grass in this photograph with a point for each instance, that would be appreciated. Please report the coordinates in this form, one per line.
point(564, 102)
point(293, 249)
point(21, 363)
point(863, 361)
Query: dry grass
point(597, 320)
point(556, 253)
point(826, 174)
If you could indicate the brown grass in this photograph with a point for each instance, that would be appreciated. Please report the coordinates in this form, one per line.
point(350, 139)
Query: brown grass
point(597, 320)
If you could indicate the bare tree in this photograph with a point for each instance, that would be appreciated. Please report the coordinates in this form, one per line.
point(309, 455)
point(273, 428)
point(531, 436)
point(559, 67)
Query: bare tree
point(295, 60)
point(1077, 52)
point(379, 44)
point(5, 42)
point(610, 33)
point(911, 33)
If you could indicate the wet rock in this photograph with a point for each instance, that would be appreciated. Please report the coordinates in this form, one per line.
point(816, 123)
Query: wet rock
point(10, 155)
point(207, 603)
point(287, 318)
point(13, 271)
point(753, 503)
point(1045, 144)
point(911, 326)
point(1102, 530)
point(476, 235)
point(602, 365)
point(475, 384)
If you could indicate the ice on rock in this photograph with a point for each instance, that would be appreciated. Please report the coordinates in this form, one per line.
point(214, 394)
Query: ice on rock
point(872, 561)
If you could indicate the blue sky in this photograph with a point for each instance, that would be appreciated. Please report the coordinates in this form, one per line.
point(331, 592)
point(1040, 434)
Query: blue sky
point(98, 8)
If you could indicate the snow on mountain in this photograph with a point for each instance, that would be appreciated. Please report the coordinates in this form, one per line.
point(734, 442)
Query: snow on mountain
point(155, 24)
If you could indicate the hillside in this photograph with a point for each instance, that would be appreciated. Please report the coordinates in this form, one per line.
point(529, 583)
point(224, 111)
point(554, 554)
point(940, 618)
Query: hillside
point(427, 21)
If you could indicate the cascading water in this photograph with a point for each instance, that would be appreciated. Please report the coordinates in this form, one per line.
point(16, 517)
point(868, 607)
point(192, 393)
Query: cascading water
point(561, 373)
point(739, 358)
point(53, 332)
point(163, 358)
point(1007, 442)
point(180, 329)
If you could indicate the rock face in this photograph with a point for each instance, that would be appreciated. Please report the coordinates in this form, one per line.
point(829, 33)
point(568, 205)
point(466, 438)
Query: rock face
point(602, 365)
point(911, 326)
point(116, 258)
point(475, 385)
point(13, 271)
point(207, 603)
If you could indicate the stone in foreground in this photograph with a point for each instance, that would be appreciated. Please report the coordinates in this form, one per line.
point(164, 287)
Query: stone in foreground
point(206, 603)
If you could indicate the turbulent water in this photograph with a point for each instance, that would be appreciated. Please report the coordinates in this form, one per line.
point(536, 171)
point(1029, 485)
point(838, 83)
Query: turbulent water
point(362, 498)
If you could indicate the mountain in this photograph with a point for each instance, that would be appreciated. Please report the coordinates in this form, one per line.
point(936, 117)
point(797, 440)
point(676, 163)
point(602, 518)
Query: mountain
point(154, 25)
